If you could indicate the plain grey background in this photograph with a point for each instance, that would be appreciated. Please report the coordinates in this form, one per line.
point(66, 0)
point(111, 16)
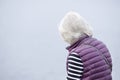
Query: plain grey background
point(30, 45)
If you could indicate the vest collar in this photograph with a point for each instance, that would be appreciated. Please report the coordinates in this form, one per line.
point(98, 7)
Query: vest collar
point(77, 43)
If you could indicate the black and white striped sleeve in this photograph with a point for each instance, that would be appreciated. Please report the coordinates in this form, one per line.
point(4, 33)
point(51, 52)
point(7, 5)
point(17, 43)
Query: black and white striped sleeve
point(75, 67)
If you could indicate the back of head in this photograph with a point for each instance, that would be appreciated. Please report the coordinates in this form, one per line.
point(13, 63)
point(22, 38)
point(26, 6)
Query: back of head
point(73, 26)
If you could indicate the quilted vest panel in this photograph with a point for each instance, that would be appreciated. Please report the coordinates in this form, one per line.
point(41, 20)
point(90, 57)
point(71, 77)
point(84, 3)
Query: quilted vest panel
point(95, 67)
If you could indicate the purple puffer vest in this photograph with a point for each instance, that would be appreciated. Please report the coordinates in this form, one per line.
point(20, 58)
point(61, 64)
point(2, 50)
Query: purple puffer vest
point(95, 67)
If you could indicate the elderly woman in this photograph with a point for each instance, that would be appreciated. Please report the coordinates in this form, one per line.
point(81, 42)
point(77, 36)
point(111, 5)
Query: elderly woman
point(88, 58)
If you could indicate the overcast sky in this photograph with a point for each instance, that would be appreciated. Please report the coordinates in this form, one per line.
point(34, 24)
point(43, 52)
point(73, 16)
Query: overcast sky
point(30, 45)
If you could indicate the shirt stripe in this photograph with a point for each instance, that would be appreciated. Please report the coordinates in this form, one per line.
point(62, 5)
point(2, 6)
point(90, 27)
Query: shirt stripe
point(75, 62)
point(75, 67)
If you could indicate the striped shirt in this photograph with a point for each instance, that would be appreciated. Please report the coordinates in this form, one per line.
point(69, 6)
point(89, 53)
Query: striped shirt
point(75, 67)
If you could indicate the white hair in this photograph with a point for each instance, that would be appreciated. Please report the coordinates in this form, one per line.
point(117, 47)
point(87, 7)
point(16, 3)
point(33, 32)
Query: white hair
point(73, 26)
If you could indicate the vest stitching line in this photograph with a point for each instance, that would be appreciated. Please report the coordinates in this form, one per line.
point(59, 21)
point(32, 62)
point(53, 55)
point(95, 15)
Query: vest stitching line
point(103, 56)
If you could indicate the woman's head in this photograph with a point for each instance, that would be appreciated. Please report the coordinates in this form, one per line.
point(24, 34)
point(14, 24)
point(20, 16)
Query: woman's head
point(73, 26)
